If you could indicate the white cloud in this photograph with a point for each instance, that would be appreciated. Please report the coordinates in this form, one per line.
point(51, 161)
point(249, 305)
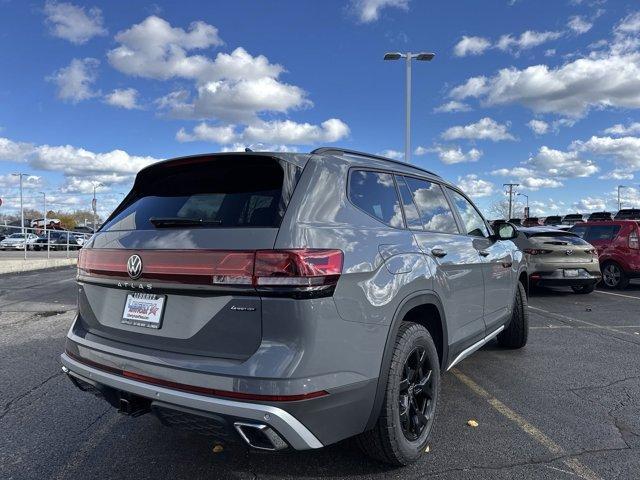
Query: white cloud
point(548, 168)
point(526, 40)
point(617, 174)
point(621, 130)
point(116, 166)
point(451, 154)
point(368, 11)
point(550, 52)
point(75, 82)
point(155, 49)
point(629, 25)
point(475, 187)
point(625, 151)
point(452, 106)
point(539, 127)
point(13, 181)
point(590, 204)
point(126, 98)
point(471, 46)
point(257, 147)
point(484, 129)
point(394, 154)
point(604, 81)
point(277, 131)
point(578, 24)
point(72, 22)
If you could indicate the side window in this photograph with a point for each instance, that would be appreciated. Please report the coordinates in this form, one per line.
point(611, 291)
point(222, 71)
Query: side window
point(602, 233)
point(411, 214)
point(432, 206)
point(375, 193)
point(579, 230)
point(472, 220)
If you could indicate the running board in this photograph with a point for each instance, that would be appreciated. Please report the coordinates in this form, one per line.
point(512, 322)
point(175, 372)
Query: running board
point(469, 350)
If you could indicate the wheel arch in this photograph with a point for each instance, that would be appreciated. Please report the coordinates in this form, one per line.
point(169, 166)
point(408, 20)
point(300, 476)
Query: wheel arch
point(424, 308)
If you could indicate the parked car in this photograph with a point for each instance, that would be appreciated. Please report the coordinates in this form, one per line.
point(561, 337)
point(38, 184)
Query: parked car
point(628, 214)
point(572, 219)
point(599, 216)
point(292, 300)
point(552, 220)
point(516, 221)
point(40, 244)
point(16, 241)
point(531, 222)
point(558, 258)
point(64, 241)
point(618, 245)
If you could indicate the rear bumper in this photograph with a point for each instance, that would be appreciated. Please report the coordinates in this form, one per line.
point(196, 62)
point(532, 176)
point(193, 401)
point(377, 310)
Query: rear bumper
point(286, 425)
point(556, 278)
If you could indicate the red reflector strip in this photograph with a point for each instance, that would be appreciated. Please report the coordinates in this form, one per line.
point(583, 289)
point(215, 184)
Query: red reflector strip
point(212, 392)
point(180, 266)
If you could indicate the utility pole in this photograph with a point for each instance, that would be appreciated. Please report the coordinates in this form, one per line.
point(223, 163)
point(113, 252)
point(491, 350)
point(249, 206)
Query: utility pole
point(44, 219)
point(526, 210)
point(94, 205)
point(510, 185)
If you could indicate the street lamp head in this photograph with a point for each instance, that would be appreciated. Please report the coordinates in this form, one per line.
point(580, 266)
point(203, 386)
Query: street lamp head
point(425, 56)
point(392, 56)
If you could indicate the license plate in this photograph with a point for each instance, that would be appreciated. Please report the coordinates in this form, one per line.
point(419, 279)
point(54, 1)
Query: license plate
point(143, 310)
point(572, 273)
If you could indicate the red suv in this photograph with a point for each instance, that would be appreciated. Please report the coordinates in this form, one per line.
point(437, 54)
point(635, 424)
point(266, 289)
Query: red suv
point(618, 245)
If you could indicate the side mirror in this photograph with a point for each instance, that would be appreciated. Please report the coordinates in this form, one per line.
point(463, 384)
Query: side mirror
point(506, 231)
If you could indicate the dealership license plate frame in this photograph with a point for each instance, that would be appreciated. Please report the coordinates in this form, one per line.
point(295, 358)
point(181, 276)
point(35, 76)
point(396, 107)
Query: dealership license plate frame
point(571, 272)
point(150, 319)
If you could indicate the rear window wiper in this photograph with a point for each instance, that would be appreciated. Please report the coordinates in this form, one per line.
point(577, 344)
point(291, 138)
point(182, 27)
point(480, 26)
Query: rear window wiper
point(161, 222)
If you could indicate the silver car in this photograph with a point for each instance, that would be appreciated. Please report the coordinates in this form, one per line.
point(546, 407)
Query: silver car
point(559, 258)
point(292, 300)
point(16, 241)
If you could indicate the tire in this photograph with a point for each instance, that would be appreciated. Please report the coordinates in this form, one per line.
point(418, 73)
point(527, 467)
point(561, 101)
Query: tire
point(583, 288)
point(516, 332)
point(613, 276)
point(387, 441)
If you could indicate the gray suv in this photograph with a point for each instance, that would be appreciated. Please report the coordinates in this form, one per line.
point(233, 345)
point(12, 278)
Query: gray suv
point(292, 300)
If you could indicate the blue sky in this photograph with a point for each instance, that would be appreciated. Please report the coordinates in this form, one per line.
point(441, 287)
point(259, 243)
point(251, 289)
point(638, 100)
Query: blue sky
point(545, 94)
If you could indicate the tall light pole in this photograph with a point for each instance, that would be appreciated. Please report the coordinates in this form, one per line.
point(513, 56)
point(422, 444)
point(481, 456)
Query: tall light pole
point(94, 205)
point(44, 219)
point(619, 203)
point(408, 56)
point(21, 203)
point(526, 213)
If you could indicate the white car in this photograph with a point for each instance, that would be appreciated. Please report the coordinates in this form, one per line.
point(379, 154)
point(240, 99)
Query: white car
point(16, 241)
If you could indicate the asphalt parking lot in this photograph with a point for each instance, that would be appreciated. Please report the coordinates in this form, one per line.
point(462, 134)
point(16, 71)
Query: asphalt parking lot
point(567, 406)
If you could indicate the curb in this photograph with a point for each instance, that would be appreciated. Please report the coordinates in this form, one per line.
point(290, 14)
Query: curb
point(16, 266)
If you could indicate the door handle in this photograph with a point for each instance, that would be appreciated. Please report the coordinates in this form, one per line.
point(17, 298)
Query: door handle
point(438, 252)
point(483, 253)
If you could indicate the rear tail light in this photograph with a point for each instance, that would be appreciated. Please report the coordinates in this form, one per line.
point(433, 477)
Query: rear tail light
point(296, 271)
point(536, 251)
point(633, 240)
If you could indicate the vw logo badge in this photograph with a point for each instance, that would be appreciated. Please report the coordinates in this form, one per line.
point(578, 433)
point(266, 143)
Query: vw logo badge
point(134, 267)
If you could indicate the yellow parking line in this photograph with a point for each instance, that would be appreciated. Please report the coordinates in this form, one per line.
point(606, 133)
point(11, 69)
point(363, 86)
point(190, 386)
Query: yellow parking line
point(617, 294)
point(578, 468)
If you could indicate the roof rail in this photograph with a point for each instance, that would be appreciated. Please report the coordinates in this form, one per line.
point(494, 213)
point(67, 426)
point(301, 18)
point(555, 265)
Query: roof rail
point(338, 150)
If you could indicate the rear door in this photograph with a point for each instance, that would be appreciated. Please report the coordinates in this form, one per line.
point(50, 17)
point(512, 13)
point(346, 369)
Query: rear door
point(601, 236)
point(191, 226)
point(452, 257)
point(496, 260)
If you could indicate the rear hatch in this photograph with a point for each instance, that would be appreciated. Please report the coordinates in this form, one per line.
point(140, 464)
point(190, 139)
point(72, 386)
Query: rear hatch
point(561, 247)
point(171, 269)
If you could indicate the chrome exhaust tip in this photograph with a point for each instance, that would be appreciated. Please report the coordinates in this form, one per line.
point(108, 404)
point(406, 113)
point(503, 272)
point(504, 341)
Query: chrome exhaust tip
point(260, 436)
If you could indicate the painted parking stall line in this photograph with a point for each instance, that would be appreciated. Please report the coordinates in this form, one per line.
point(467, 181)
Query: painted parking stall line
point(577, 320)
point(573, 464)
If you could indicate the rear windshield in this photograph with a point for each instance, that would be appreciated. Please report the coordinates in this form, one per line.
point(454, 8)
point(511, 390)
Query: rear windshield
point(223, 192)
point(559, 238)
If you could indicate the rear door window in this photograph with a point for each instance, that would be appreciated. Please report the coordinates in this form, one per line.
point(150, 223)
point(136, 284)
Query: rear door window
point(471, 218)
point(580, 230)
point(375, 194)
point(602, 233)
point(433, 207)
point(224, 192)
point(411, 214)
